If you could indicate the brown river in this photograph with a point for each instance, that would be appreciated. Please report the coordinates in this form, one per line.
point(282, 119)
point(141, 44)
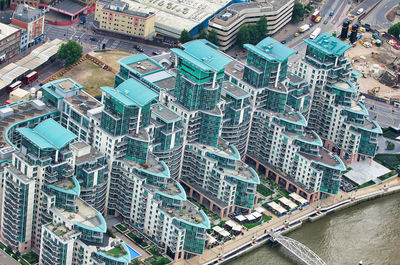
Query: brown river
point(369, 232)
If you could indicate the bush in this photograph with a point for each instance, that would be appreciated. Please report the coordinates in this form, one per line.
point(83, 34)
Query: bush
point(110, 233)
point(263, 190)
point(395, 30)
point(31, 257)
point(390, 145)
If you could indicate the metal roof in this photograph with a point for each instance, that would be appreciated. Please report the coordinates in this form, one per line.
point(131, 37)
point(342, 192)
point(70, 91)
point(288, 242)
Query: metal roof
point(271, 49)
point(328, 44)
point(131, 93)
point(48, 135)
point(203, 54)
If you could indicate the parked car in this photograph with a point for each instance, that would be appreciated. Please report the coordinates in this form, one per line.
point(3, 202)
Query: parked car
point(283, 42)
point(331, 13)
point(325, 22)
point(360, 11)
point(156, 53)
point(93, 39)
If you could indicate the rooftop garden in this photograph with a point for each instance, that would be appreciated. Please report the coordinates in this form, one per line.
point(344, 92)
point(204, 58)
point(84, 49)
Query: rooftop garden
point(137, 240)
point(117, 251)
point(31, 257)
point(157, 258)
point(121, 227)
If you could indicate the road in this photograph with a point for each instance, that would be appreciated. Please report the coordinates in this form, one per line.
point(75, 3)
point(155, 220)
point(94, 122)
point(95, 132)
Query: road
point(384, 114)
point(5, 259)
point(91, 40)
point(377, 17)
point(339, 8)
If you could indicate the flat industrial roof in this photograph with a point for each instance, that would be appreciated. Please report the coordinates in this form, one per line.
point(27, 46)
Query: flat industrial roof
point(6, 30)
point(174, 16)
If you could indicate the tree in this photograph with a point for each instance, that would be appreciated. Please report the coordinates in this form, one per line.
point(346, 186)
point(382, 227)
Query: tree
point(71, 52)
point(298, 12)
point(243, 36)
point(185, 36)
point(262, 28)
point(395, 30)
point(203, 35)
point(135, 262)
point(212, 37)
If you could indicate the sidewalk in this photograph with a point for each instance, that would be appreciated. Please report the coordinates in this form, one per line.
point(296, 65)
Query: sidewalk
point(276, 222)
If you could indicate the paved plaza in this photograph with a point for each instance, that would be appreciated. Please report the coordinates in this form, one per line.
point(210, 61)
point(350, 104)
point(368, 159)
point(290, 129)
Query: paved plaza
point(363, 171)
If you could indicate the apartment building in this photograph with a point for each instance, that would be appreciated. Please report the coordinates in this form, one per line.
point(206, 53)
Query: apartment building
point(228, 22)
point(10, 40)
point(117, 16)
point(31, 20)
point(337, 113)
point(280, 144)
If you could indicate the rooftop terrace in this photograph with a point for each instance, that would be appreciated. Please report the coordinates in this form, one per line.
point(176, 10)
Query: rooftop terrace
point(18, 112)
point(165, 113)
point(140, 63)
point(83, 102)
point(324, 157)
point(152, 164)
point(85, 215)
point(234, 90)
point(62, 231)
point(189, 212)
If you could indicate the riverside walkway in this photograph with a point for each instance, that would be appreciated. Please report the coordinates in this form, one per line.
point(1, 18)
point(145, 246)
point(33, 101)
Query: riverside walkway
point(259, 234)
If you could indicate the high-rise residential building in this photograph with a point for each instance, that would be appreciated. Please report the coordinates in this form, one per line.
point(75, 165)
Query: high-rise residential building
point(280, 145)
point(337, 113)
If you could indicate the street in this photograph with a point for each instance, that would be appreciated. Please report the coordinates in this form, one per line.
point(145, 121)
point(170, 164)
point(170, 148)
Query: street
point(5, 259)
point(384, 114)
point(84, 33)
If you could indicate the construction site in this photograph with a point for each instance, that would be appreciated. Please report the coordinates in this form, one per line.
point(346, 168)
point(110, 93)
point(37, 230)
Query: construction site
point(376, 57)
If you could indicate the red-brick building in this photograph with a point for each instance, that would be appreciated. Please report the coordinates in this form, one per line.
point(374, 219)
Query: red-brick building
point(10, 38)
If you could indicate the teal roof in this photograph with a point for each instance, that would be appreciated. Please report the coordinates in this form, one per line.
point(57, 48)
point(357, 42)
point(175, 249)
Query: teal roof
point(204, 55)
point(377, 129)
point(204, 224)
point(48, 135)
point(127, 61)
point(363, 111)
point(76, 190)
point(328, 44)
point(271, 49)
point(255, 179)
point(101, 228)
point(355, 74)
point(300, 121)
point(56, 85)
point(131, 93)
point(317, 141)
point(345, 86)
point(180, 196)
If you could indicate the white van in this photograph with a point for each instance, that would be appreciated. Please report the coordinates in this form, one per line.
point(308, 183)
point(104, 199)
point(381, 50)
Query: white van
point(359, 12)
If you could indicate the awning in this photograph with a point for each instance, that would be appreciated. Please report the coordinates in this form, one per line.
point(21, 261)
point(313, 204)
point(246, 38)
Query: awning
point(237, 228)
point(240, 218)
point(288, 203)
point(276, 207)
point(230, 223)
point(224, 233)
point(298, 198)
point(250, 217)
point(217, 229)
point(260, 209)
point(256, 214)
point(211, 240)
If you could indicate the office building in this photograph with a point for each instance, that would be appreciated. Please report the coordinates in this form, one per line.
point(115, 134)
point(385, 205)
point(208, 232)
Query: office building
point(228, 21)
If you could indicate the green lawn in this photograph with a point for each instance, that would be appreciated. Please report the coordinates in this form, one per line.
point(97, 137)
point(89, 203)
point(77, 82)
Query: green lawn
point(264, 218)
point(263, 190)
point(390, 133)
point(23, 262)
point(390, 161)
point(137, 239)
point(388, 175)
point(367, 184)
point(31, 257)
point(118, 251)
point(121, 227)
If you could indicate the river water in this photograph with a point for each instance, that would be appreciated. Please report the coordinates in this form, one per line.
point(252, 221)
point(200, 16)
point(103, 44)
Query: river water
point(369, 232)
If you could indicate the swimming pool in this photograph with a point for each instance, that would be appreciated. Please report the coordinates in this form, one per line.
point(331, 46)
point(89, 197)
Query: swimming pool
point(133, 253)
